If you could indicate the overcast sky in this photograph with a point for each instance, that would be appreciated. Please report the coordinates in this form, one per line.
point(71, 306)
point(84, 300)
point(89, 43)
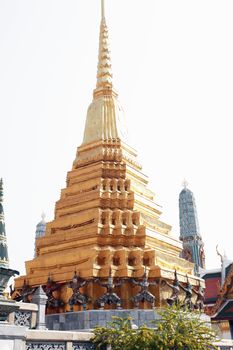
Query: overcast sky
point(172, 65)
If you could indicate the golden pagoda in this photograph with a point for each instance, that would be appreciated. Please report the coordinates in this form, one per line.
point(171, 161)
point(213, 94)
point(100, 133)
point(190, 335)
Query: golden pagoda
point(106, 218)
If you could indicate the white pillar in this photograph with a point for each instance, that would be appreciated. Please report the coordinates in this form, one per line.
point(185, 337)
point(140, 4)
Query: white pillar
point(40, 298)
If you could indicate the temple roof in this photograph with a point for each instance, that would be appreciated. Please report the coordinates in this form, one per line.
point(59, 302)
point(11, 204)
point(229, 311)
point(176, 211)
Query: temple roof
point(225, 312)
point(220, 296)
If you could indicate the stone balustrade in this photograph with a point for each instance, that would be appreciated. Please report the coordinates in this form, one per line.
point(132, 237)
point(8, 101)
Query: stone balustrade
point(26, 315)
point(57, 340)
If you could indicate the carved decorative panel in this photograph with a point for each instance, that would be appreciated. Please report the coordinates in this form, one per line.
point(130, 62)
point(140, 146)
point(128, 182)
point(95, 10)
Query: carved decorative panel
point(45, 346)
point(23, 318)
point(83, 346)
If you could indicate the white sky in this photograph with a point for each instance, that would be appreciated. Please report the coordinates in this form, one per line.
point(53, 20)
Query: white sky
point(172, 64)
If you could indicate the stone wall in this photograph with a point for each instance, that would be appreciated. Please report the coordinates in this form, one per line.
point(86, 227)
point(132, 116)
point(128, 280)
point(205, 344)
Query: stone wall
point(85, 320)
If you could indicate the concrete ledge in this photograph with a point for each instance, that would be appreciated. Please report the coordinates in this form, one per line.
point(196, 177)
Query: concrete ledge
point(27, 306)
point(8, 331)
point(35, 335)
point(225, 342)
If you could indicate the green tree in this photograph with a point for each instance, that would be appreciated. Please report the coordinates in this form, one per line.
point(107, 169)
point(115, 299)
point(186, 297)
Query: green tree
point(177, 329)
point(180, 329)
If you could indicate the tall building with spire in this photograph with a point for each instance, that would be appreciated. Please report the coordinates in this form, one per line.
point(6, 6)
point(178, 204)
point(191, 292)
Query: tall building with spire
point(106, 221)
point(4, 260)
point(193, 246)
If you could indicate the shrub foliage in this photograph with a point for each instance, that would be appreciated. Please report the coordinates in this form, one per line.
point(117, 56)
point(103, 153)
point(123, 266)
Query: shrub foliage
point(177, 329)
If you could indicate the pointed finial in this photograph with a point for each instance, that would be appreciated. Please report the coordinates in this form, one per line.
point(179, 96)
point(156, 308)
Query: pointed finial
point(102, 9)
point(104, 70)
point(43, 215)
point(185, 183)
point(219, 254)
point(1, 189)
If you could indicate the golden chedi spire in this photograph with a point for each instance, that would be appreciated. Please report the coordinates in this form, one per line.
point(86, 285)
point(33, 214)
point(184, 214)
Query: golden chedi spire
point(107, 218)
point(104, 72)
point(105, 117)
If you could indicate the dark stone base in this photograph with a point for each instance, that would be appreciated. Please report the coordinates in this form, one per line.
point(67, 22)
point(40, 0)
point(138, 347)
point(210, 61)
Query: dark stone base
point(87, 320)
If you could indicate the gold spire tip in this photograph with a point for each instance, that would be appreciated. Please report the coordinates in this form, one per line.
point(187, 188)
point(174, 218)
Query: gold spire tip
point(102, 9)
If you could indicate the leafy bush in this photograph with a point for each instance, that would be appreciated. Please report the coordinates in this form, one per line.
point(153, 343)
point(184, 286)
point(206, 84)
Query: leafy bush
point(177, 329)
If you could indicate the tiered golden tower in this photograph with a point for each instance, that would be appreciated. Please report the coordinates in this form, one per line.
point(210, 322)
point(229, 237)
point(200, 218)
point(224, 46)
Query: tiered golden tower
point(106, 217)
